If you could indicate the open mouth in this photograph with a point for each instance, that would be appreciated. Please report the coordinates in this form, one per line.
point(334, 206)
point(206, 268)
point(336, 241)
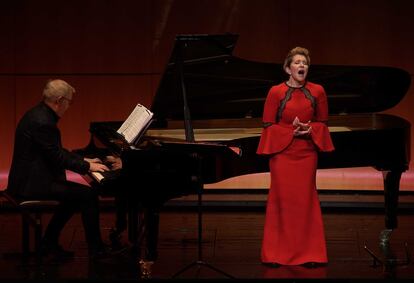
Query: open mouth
point(301, 72)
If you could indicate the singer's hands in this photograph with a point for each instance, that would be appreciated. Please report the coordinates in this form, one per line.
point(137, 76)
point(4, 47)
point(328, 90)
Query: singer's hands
point(301, 129)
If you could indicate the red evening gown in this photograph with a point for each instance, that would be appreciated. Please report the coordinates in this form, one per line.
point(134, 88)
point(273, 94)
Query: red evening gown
point(293, 230)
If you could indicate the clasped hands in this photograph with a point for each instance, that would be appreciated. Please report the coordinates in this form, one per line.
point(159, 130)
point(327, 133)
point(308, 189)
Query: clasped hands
point(301, 129)
point(110, 163)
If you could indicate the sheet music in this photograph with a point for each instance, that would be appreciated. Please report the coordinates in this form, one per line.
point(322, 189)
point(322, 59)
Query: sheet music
point(136, 123)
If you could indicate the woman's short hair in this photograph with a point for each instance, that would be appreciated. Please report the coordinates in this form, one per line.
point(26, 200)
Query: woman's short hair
point(296, 51)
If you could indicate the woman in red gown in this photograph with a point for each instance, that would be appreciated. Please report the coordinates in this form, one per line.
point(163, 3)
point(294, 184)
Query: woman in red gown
point(294, 117)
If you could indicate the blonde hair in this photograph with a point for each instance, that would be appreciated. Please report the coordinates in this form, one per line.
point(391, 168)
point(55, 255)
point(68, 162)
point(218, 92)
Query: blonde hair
point(55, 89)
point(296, 51)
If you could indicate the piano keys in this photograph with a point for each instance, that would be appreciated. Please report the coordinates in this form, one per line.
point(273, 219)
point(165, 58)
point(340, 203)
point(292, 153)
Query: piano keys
point(107, 176)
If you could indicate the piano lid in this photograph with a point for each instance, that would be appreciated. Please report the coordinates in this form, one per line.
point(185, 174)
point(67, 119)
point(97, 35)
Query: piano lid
point(220, 85)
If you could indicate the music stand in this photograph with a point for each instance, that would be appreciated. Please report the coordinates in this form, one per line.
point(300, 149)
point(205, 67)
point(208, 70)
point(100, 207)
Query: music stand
point(181, 53)
point(200, 262)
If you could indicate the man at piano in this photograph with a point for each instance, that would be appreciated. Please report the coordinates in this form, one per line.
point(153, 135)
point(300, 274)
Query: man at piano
point(294, 117)
point(38, 171)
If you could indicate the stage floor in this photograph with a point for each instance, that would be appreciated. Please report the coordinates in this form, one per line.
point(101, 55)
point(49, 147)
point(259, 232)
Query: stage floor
point(231, 243)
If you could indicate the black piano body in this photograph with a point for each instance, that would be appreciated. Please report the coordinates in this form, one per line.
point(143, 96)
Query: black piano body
point(223, 87)
point(225, 96)
point(150, 176)
point(152, 173)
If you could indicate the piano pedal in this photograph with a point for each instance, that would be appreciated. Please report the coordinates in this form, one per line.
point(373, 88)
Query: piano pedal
point(146, 268)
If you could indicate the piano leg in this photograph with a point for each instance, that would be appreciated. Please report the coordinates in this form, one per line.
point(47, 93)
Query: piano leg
point(391, 190)
point(143, 226)
point(151, 234)
point(135, 227)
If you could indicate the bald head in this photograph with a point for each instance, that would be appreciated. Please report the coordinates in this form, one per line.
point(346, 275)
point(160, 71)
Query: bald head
point(58, 95)
point(56, 89)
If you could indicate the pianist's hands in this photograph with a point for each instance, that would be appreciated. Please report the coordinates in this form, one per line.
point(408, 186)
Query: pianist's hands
point(301, 129)
point(115, 163)
point(96, 165)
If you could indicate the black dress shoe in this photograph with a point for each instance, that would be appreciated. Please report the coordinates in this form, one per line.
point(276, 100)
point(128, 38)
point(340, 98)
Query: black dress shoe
point(313, 264)
point(272, 264)
point(151, 254)
point(56, 251)
point(101, 253)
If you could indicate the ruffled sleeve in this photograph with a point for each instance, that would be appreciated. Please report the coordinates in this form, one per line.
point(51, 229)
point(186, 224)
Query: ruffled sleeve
point(321, 137)
point(274, 139)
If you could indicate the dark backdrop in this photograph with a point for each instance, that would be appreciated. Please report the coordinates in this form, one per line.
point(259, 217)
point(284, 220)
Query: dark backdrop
point(114, 51)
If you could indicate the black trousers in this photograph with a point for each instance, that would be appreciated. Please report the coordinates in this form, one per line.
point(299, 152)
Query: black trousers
point(74, 197)
point(151, 207)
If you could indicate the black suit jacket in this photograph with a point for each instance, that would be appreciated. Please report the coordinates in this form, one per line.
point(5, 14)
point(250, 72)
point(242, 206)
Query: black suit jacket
point(38, 156)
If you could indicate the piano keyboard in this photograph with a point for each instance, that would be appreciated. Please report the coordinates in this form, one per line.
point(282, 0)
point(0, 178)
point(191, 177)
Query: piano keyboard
point(101, 177)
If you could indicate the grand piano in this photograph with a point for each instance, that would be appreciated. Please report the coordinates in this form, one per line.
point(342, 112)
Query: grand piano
point(207, 124)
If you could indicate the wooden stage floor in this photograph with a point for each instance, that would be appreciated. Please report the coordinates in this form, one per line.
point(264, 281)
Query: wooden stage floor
point(231, 243)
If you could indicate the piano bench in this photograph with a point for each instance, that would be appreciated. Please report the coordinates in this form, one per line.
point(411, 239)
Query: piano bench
point(31, 216)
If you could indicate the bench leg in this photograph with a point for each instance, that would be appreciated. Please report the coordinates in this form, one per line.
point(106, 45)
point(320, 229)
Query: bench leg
point(36, 223)
point(38, 233)
point(25, 235)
